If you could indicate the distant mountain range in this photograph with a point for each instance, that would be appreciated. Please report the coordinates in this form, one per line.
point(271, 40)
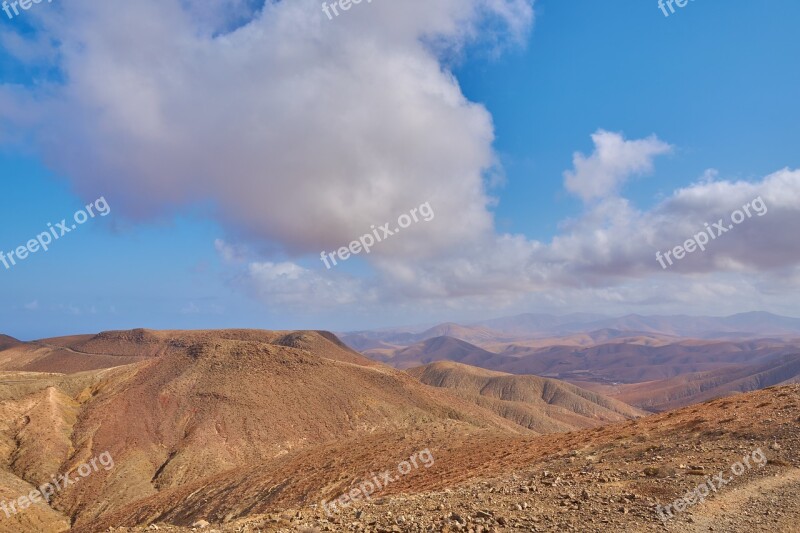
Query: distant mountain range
point(531, 325)
point(652, 362)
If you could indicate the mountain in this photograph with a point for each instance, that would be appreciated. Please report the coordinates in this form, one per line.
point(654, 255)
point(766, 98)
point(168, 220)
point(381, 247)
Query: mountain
point(57, 355)
point(392, 339)
point(529, 326)
point(580, 340)
point(540, 404)
point(613, 478)
point(648, 372)
point(471, 334)
point(250, 430)
point(536, 323)
point(743, 325)
point(739, 326)
point(199, 404)
point(692, 388)
point(7, 342)
point(109, 349)
point(630, 360)
point(636, 363)
point(441, 349)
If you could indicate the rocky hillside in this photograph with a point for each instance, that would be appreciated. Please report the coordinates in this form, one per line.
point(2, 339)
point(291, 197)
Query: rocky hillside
point(7, 342)
point(614, 478)
point(250, 430)
point(440, 349)
point(541, 404)
point(204, 404)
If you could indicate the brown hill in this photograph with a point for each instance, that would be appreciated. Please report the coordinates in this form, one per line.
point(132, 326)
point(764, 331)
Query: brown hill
point(108, 349)
point(536, 325)
point(653, 373)
point(623, 362)
point(541, 404)
point(398, 339)
point(602, 479)
point(7, 342)
point(442, 349)
point(697, 387)
point(521, 347)
point(635, 363)
point(471, 334)
point(38, 356)
point(218, 404)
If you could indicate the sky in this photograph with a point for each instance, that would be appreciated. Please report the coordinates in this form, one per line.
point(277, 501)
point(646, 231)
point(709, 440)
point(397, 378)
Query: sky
point(539, 153)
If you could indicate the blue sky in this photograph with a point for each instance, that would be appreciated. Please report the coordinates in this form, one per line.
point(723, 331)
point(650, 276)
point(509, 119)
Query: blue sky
point(232, 241)
point(716, 82)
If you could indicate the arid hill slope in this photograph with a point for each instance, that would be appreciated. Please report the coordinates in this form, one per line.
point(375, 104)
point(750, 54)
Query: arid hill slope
point(596, 480)
point(701, 386)
point(203, 405)
point(251, 430)
point(7, 342)
point(647, 372)
point(108, 349)
point(541, 404)
point(441, 349)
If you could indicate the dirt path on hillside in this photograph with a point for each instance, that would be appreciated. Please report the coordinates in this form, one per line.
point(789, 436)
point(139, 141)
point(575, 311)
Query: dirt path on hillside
point(760, 504)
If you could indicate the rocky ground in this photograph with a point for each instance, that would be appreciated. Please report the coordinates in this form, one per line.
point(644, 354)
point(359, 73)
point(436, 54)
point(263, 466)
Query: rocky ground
point(606, 485)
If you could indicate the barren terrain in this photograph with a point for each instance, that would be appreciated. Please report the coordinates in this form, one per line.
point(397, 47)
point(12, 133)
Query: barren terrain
point(247, 430)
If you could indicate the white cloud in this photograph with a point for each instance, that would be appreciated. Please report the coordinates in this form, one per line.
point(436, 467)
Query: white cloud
point(612, 163)
point(604, 257)
point(609, 253)
point(303, 131)
point(292, 285)
point(231, 253)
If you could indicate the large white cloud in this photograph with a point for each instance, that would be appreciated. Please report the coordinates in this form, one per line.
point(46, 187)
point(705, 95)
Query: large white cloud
point(301, 131)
